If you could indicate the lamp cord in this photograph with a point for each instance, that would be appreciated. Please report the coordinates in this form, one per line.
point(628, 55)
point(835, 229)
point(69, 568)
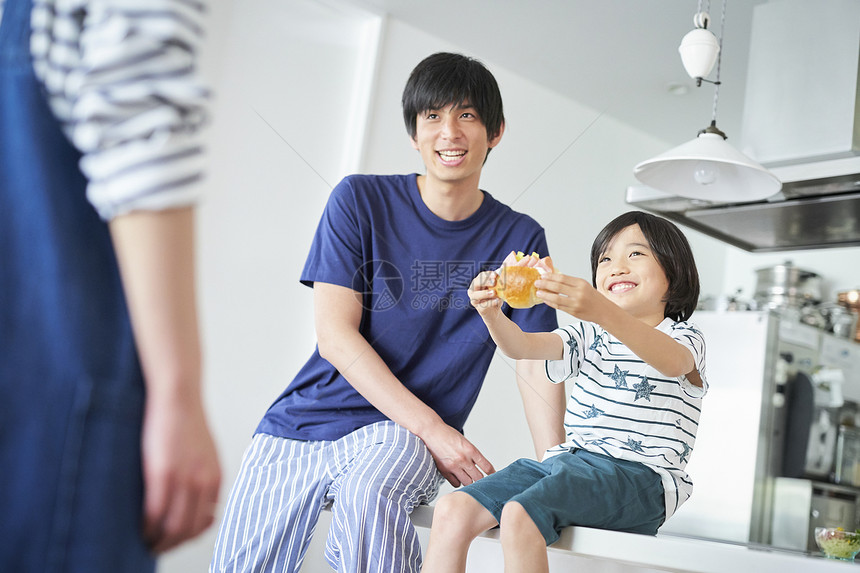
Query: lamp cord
point(707, 10)
point(719, 58)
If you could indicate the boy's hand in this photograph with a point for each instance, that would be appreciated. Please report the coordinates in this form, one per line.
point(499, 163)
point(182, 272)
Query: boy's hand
point(482, 295)
point(573, 295)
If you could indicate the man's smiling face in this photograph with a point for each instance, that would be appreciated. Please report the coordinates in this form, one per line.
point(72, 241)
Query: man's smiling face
point(453, 144)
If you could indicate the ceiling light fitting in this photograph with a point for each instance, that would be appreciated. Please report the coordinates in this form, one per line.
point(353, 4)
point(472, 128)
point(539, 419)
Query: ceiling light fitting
point(707, 167)
point(699, 49)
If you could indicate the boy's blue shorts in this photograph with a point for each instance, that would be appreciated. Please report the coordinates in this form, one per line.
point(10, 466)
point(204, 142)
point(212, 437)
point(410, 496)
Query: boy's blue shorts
point(577, 488)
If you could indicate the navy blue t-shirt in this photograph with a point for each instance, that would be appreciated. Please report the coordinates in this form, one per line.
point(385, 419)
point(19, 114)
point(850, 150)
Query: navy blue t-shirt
point(413, 269)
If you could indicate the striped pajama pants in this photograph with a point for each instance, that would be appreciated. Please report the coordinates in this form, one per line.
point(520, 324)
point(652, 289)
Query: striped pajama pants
point(373, 478)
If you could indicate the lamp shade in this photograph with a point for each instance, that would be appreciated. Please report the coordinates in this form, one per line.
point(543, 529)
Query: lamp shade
point(699, 49)
point(708, 168)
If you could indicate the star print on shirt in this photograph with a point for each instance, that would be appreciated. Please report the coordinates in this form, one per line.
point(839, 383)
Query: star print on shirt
point(572, 344)
point(620, 377)
point(635, 445)
point(593, 412)
point(685, 453)
point(598, 342)
point(643, 390)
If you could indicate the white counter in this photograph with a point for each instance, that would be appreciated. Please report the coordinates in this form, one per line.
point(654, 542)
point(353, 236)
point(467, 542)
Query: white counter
point(626, 552)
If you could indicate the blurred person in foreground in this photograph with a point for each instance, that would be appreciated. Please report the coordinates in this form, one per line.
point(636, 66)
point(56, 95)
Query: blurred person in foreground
point(106, 456)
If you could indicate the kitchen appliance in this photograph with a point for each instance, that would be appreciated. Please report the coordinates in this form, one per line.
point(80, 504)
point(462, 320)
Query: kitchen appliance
point(807, 136)
point(819, 400)
point(823, 429)
point(770, 419)
point(786, 285)
point(796, 47)
point(848, 456)
point(802, 505)
point(796, 419)
point(731, 459)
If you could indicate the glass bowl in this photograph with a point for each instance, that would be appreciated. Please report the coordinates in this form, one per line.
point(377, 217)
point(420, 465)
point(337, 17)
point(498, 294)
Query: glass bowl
point(837, 543)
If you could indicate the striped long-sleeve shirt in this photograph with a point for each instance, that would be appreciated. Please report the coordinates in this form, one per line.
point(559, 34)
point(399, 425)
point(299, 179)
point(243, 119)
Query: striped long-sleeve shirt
point(622, 407)
point(121, 77)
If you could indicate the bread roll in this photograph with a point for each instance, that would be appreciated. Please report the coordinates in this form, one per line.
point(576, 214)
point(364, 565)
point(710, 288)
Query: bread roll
point(516, 286)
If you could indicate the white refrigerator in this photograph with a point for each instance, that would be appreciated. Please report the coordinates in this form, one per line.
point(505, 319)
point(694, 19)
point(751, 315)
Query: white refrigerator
point(729, 465)
point(738, 453)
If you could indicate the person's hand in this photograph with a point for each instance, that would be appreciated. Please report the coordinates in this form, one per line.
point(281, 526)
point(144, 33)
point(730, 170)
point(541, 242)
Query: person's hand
point(482, 295)
point(181, 473)
point(181, 476)
point(457, 459)
point(572, 295)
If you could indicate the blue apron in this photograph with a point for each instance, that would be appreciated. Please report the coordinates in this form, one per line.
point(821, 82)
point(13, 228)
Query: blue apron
point(71, 391)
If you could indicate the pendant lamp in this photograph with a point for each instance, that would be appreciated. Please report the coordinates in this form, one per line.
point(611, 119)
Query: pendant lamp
point(707, 167)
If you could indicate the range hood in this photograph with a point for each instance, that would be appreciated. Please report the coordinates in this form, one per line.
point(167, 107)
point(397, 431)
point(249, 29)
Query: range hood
point(802, 121)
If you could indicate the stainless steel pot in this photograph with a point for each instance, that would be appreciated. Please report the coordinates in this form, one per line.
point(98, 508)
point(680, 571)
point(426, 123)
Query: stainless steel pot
point(785, 285)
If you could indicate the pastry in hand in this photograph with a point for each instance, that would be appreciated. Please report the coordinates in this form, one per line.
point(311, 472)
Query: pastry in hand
point(516, 279)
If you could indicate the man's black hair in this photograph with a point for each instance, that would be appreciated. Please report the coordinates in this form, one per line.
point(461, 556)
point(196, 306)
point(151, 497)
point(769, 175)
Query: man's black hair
point(672, 251)
point(444, 79)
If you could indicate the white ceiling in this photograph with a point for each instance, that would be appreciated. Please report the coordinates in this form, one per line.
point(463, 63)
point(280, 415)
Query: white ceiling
point(615, 56)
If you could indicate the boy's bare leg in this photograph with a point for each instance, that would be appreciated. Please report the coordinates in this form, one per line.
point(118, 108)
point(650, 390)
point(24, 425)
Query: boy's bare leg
point(523, 544)
point(457, 519)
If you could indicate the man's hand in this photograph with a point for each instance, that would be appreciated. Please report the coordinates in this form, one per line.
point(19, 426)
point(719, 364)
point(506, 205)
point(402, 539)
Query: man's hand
point(457, 459)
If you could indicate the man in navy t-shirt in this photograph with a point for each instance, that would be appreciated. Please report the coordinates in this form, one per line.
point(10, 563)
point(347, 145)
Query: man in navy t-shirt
point(374, 420)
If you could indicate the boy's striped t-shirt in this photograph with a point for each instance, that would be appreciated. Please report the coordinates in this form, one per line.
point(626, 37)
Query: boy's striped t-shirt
point(622, 407)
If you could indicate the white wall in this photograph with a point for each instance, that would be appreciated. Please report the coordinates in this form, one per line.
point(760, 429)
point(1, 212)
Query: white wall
point(283, 135)
point(292, 80)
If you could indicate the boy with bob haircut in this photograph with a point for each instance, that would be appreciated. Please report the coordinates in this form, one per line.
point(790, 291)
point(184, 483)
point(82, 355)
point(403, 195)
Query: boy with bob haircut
point(373, 421)
point(637, 372)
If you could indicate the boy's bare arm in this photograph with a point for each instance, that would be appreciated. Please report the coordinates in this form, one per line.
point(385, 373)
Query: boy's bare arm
point(656, 348)
point(578, 298)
